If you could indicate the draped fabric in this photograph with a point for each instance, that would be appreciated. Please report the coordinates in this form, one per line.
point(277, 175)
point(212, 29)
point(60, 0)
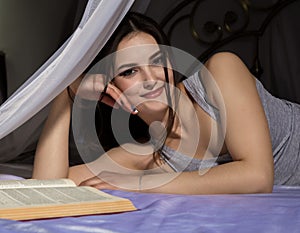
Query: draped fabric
point(23, 114)
point(100, 19)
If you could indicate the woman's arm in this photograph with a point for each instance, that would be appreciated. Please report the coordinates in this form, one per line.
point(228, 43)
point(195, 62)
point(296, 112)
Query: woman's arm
point(51, 158)
point(119, 160)
point(247, 137)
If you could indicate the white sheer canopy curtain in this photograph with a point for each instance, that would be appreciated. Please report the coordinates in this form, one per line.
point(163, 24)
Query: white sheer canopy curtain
point(100, 19)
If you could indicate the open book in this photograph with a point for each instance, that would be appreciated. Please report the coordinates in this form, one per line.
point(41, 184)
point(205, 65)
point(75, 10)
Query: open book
point(36, 199)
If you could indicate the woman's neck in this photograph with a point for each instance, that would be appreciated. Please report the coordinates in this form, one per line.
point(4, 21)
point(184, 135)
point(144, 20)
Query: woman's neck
point(186, 130)
point(185, 125)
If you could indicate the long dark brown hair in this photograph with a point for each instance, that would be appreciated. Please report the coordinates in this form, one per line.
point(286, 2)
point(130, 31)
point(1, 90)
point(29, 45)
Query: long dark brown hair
point(133, 23)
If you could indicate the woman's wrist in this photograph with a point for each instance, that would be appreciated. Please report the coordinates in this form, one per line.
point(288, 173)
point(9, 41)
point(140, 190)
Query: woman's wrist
point(80, 102)
point(140, 182)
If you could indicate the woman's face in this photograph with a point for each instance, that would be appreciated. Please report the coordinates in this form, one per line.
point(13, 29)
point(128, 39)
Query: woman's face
point(139, 72)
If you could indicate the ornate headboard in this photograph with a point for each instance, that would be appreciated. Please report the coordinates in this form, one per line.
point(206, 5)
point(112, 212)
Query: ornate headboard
point(204, 27)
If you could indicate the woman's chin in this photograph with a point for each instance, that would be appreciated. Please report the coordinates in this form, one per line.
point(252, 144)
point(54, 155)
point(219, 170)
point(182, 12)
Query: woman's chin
point(153, 107)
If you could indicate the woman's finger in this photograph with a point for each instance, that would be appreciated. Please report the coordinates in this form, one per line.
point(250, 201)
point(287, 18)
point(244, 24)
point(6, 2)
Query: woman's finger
point(90, 86)
point(94, 87)
point(97, 183)
point(104, 186)
point(91, 181)
point(120, 98)
point(117, 96)
point(106, 99)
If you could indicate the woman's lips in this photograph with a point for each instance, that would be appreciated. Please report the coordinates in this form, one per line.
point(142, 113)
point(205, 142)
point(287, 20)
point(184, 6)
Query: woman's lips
point(153, 94)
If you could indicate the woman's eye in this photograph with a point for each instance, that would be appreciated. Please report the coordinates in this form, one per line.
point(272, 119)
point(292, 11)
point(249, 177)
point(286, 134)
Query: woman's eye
point(127, 73)
point(157, 61)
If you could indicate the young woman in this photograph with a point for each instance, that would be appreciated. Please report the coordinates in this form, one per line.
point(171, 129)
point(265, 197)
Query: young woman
point(241, 121)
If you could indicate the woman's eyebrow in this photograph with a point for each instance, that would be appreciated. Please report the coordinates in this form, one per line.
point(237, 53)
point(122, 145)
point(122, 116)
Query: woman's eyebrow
point(129, 65)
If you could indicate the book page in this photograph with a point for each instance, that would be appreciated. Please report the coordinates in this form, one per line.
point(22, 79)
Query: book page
point(12, 198)
point(32, 183)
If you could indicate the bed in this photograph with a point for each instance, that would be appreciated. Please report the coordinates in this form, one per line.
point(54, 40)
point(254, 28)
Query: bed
point(276, 212)
point(245, 29)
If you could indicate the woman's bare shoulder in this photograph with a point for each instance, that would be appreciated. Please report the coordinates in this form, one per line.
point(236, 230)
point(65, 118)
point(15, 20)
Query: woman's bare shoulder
point(227, 68)
point(223, 58)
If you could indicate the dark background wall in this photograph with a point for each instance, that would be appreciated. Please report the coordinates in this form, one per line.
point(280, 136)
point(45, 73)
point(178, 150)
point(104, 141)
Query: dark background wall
point(264, 33)
point(30, 31)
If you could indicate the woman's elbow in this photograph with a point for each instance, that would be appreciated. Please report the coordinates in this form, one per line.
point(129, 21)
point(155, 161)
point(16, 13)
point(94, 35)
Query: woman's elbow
point(263, 182)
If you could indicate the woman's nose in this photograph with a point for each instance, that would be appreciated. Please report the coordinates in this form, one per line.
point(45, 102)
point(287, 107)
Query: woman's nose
point(150, 77)
point(149, 84)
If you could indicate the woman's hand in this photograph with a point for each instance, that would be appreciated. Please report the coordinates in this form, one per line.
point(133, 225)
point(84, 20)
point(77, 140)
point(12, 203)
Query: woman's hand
point(96, 87)
point(112, 180)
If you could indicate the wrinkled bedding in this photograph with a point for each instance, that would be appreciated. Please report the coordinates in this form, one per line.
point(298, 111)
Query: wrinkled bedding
point(275, 212)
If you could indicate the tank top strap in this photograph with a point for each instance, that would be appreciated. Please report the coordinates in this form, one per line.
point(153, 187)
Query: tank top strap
point(194, 86)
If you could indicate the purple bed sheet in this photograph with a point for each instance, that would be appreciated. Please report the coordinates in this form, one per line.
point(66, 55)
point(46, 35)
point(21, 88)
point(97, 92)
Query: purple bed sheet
point(275, 212)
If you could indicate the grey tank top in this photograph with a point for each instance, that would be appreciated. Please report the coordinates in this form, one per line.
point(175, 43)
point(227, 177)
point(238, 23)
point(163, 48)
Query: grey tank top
point(284, 124)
